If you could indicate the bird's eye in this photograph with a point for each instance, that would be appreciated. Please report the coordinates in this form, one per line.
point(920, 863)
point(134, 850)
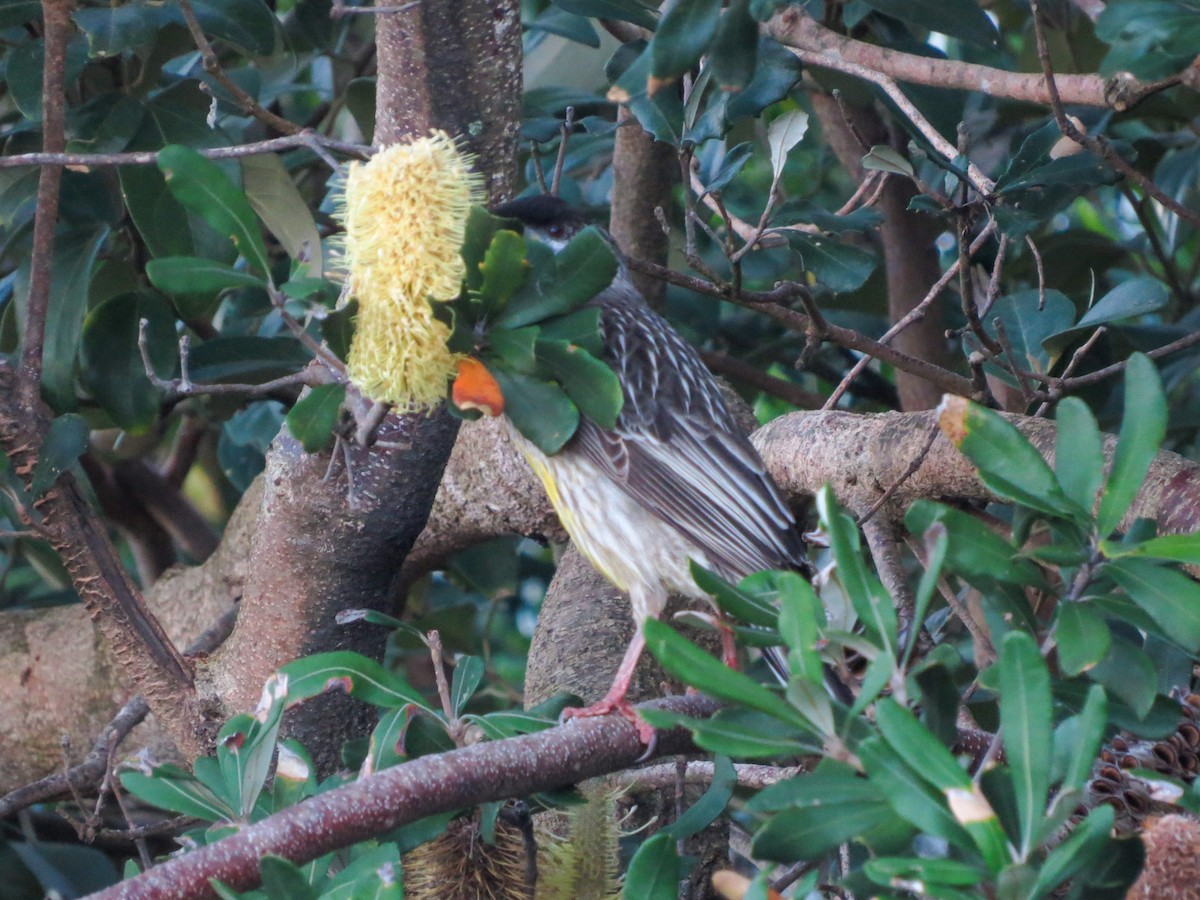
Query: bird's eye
point(555, 231)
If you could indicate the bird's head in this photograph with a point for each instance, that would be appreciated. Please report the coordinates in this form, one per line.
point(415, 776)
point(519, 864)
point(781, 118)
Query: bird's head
point(551, 220)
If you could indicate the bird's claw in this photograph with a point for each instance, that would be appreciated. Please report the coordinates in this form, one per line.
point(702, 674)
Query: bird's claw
point(645, 731)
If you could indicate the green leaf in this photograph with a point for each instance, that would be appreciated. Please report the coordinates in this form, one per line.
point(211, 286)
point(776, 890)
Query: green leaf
point(883, 158)
point(711, 804)
point(1129, 299)
point(1029, 326)
point(467, 675)
point(273, 195)
point(312, 419)
point(801, 621)
point(111, 365)
point(956, 18)
point(173, 789)
point(1008, 464)
point(515, 347)
point(1182, 548)
point(481, 229)
point(246, 360)
point(1025, 718)
point(351, 673)
point(733, 52)
point(734, 731)
point(622, 10)
point(908, 794)
point(373, 873)
point(387, 745)
point(1081, 850)
point(683, 35)
point(247, 23)
point(741, 604)
point(973, 550)
point(583, 268)
point(1078, 452)
point(654, 871)
point(190, 276)
point(73, 259)
point(338, 329)
point(918, 748)
point(1143, 426)
point(871, 601)
point(282, 879)
point(1170, 597)
point(819, 812)
point(1077, 740)
point(540, 410)
point(1083, 637)
point(888, 871)
point(65, 442)
point(1129, 675)
point(840, 267)
point(590, 383)
point(504, 270)
point(732, 163)
point(201, 186)
point(581, 327)
point(691, 665)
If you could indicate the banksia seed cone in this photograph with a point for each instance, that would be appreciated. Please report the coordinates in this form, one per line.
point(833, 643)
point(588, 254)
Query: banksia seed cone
point(1172, 870)
point(405, 213)
point(460, 865)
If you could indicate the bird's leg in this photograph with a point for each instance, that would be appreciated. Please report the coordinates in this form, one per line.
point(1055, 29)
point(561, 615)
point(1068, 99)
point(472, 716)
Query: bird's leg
point(615, 700)
point(729, 654)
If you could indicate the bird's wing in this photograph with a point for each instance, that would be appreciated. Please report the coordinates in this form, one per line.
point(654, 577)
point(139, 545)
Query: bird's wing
point(678, 452)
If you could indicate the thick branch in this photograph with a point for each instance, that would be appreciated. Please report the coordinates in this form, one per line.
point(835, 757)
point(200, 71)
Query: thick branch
point(515, 767)
point(821, 47)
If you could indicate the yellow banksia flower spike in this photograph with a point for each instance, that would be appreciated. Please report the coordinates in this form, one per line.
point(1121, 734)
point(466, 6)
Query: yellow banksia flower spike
point(405, 214)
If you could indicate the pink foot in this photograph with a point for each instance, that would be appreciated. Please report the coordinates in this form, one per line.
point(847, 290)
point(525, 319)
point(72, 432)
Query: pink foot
point(622, 707)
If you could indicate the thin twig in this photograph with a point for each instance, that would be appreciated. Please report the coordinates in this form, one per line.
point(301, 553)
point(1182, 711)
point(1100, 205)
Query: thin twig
point(57, 17)
point(1041, 272)
point(183, 386)
point(212, 65)
point(307, 138)
point(1075, 360)
point(564, 137)
point(915, 314)
point(1096, 143)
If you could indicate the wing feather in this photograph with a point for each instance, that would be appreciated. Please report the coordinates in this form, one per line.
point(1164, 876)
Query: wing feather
point(677, 450)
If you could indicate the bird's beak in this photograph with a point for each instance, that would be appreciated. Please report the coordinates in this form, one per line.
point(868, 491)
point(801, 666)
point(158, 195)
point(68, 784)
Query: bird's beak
point(476, 388)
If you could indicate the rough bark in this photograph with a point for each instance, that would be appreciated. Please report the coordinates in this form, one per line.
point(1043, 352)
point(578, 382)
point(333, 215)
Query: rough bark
point(644, 173)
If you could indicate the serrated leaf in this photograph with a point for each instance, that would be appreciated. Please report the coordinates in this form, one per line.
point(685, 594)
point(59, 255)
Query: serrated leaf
point(1081, 850)
point(1128, 674)
point(312, 419)
point(732, 163)
point(711, 804)
point(908, 794)
point(590, 383)
point(581, 327)
point(1143, 426)
point(743, 605)
point(504, 270)
point(683, 34)
point(515, 347)
point(1183, 548)
point(744, 733)
point(540, 410)
point(282, 879)
point(1081, 737)
point(784, 133)
point(583, 268)
point(1025, 718)
point(840, 267)
point(201, 186)
point(733, 52)
point(173, 789)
